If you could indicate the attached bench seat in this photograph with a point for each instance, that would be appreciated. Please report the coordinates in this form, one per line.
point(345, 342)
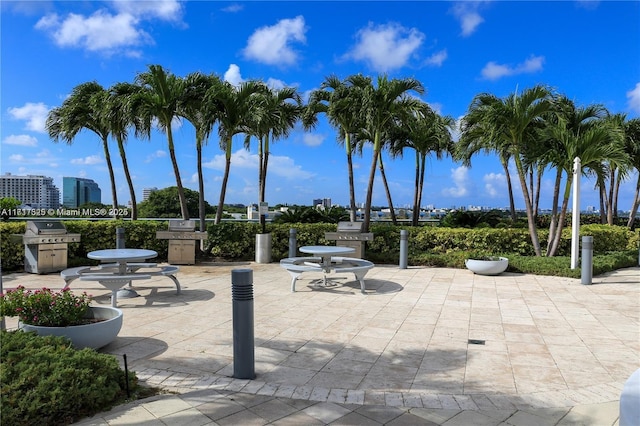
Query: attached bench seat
point(169, 271)
point(113, 282)
point(298, 265)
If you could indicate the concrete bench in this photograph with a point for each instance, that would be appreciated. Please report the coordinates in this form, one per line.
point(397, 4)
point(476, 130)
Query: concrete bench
point(71, 274)
point(296, 266)
point(113, 282)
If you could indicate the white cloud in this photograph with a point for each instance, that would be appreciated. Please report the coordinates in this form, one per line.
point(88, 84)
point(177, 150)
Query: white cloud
point(437, 58)
point(233, 8)
point(158, 154)
point(87, 161)
point(494, 71)
point(20, 140)
point(312, 139)
point(494, 184)
point(17, 158)
point(467, 14)
point(101, 31)
point(281, 166)
point(35, 114)
point(272, 45)
point(633, 98)
point(232, 75)
point(386, 47)
point(168, 10)
point(460, 178)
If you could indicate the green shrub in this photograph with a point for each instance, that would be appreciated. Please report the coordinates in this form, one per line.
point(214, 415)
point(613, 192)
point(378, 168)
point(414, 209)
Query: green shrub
point(45, 381)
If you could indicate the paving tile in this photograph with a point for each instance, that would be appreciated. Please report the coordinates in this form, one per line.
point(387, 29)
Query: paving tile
point(326, 412)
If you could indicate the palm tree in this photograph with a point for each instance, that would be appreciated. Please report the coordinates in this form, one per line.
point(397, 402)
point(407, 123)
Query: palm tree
point(381, 106)
point(632, 147)
point(274, 113)
point(509, 122)
point(84, 109)
point(426, 132)
point(553, 152)
point(162, 94)
point(618, 169)
point(336, 99)
point(234, 107)
point(594, 144)
point(121, 115)
point(202, 114)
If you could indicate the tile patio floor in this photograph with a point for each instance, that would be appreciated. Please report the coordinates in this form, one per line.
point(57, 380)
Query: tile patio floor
point(554, 352)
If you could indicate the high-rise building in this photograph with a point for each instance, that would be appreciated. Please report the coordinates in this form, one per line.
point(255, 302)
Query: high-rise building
point(146, 192)
point(38, 192)
point(79, 191)
point(322, 202)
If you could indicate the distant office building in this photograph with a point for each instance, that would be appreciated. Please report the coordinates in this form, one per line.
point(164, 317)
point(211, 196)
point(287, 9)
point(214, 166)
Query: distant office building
point(322, 202)
point(79, 191)
point(146, 192)
point(36, 191)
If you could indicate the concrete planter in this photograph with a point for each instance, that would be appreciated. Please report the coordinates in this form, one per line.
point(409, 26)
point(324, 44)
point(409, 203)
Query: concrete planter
point(492, 266)
point(94, 335)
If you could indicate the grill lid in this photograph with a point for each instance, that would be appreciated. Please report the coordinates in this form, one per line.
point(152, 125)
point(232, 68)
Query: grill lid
point(52, 227)
point(182, 225)
point(349, 226)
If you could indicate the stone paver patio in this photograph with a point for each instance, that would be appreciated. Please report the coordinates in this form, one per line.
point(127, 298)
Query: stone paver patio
point(552, 348)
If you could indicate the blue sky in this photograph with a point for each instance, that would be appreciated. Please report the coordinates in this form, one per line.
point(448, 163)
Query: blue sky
point(587, 50)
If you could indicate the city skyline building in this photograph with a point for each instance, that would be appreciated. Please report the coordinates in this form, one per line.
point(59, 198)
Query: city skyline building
point(79, 191)
point(35, 191)
point(146, 192)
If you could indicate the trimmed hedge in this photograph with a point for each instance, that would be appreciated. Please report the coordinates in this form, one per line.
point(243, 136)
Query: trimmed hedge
point(236, 240)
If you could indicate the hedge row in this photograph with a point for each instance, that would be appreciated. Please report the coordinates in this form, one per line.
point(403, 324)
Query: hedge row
point(236, 240)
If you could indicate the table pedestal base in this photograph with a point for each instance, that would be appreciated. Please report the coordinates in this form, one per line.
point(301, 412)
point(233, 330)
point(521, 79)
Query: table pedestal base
point(127, 293)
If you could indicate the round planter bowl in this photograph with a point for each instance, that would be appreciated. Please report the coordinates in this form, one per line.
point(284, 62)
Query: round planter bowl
point(95, 335)
point(487, 267)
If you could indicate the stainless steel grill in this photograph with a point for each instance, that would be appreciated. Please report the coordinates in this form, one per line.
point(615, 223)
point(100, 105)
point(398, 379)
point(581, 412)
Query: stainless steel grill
point(46, 246)
point(182, 238)
point(349, 234)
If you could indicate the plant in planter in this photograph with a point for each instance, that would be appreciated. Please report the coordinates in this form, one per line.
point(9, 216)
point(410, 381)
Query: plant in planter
point(487, 265)
point(62, 313)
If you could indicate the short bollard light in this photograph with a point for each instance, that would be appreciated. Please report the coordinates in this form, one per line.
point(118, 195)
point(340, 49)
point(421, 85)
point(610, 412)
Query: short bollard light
point(292, 243)
point(120, 238)
point(243, 336)
point(586, 270)
point(404, 248)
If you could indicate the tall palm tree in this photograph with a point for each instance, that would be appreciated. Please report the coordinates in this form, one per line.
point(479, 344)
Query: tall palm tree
point(162, 94)
point(121, 115)
point(274, 114)
point(337, 99)
point(234, 107)
point(508, 122)
point(202, 113)
point(553, 152)
point(594, 144)
point(84, 109)
point(618, 170)
point(426, 133)
point(381, 106)
point(632, 147)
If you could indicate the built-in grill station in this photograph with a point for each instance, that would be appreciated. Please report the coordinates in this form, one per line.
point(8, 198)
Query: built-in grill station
point(46, 246)
point(349, 234)
point(182, 238)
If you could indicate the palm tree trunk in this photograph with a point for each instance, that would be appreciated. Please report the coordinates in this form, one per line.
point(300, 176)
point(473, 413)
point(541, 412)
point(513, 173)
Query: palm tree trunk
point(616, 191)
point(527, 201)
point(260, 167)
point(107, 158)
point(372, 174)
point(553, 223)
point(127, 175)
point(512, 204)
point(612, 179)
point(386, 188)
point(264, 168)
point(423, 168)
point(563, 215)
point(225, 180)
point(634, 206)
point(176, 171)
point(603, 201)
point(352, 190)
point(416, 201)
point(201, 209)
point(536, 208)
